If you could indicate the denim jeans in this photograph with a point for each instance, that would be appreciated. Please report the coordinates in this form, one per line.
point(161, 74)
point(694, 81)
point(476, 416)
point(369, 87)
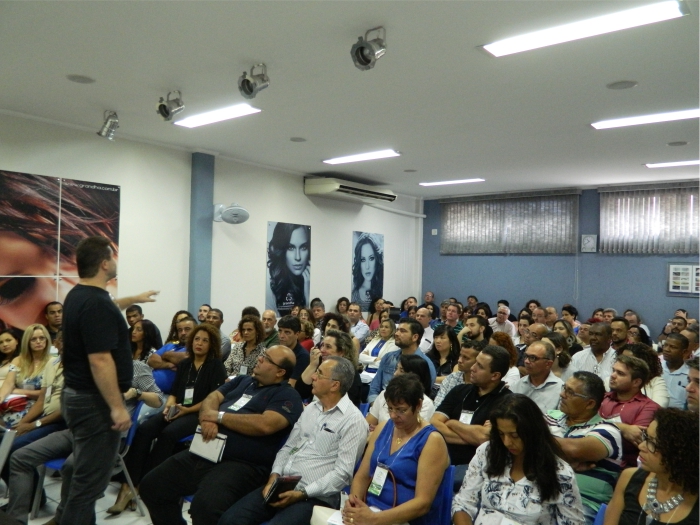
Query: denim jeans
point(95, 447)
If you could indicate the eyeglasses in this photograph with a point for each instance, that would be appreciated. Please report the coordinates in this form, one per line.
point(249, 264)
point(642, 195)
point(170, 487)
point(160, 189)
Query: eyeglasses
point(650, 442)
point(397, 411)
point(533, 358)
point(320, 375)
point(38, 339)
point(267, 358)
point(570, 393)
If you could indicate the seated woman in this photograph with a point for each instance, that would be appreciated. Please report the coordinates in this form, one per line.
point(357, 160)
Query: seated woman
point(341, 306)
point(334, 343)
point(665, 487)
point(380, 345)
point(408, 364)
point(637, 334)
point(402, 447)
point(331, 321)
point(373, 334)
point(26, 371)
point(305, 335)
point(376, 307)
point(504, 341)
point(9, 349)
point(561, 348)
point(564, 327)
point(143, 337)
point(244, 355)
point(199, 374)
point(444, 352)
point(518, 475)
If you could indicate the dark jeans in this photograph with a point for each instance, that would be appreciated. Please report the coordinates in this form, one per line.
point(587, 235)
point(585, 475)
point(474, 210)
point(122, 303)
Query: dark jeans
point(251, 510)
point(216, 486)
point(138, 460)
point(95, 447)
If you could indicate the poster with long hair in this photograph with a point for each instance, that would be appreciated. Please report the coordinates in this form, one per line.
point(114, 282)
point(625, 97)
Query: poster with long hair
point(367, 268)
point(288, 266)
point(42, 219)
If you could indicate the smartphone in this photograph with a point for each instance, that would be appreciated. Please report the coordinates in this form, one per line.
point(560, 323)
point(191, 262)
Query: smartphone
point(174, 410)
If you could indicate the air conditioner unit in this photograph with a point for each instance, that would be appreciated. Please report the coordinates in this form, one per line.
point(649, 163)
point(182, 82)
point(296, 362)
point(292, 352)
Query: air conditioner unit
point(347, 191)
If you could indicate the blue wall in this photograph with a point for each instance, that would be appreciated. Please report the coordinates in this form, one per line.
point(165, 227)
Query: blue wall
point(586, 280)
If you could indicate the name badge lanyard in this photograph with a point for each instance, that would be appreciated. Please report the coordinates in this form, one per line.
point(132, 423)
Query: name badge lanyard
point(189, 390)
point(382, 470)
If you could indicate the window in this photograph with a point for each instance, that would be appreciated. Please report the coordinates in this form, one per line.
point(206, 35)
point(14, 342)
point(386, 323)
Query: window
point(515, 223)
point(644, 220)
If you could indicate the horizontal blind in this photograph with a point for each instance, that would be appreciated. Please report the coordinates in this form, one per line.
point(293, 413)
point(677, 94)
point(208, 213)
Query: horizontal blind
point(649, 221)
point(536, 224)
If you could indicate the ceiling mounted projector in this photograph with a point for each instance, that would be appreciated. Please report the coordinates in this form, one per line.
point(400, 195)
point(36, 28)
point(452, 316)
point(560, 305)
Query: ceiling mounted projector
point(167, 108)
point(365, 52)
point(251, 85)
point(234, 214)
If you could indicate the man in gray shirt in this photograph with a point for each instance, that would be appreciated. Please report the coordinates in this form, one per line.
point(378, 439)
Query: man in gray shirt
point(540, 384)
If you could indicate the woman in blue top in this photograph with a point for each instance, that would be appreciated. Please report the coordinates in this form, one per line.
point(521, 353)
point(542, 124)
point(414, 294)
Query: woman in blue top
point(388, 476)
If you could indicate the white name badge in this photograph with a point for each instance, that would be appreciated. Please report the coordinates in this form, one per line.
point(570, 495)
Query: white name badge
point(466, 417)
point(189, 396)
point(243, 371)
point(48, 392)
point(378, 480)
point(614, 419)
point(241, 402)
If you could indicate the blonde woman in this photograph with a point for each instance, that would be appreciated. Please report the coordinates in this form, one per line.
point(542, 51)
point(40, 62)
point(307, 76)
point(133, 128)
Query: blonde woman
point(26, 371)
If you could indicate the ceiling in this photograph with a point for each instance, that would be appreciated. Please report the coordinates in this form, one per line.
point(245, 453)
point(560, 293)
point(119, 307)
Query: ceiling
point(521, 122)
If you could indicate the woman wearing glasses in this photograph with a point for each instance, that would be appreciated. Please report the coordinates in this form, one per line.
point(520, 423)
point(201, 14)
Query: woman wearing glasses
point(397, 450)
point(665, 487)
point(518, 476)
point(26, 371)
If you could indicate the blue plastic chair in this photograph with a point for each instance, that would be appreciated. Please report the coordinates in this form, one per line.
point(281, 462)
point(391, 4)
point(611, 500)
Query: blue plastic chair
point(364, 408)
point(445, 494)
point(601, 515)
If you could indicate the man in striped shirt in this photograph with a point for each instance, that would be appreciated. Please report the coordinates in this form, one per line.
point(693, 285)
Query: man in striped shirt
point(323, 448)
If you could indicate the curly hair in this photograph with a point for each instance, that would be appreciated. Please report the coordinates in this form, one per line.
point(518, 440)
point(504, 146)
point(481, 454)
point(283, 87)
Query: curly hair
point(283, 282)
point(214, 341)
point(649, 356)
point(504, 341)
point(677, 441)
point(172, 334)
point(150, 339)
point(340, 319)
point(257, 324)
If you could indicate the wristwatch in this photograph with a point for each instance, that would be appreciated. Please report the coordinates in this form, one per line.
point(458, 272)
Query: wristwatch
point(220, 417)
point(37, 423)
point(303, 491)
point(138, 393)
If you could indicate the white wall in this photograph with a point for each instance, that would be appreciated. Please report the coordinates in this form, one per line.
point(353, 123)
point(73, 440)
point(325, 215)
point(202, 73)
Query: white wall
point(155, 200)
point(239, 252)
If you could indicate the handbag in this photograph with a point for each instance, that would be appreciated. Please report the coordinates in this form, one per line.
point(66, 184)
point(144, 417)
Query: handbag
point(14, 403)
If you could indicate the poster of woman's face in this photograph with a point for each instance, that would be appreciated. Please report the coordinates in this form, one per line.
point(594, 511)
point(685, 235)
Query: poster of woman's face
point(288, 266)
point(42, 219)
point(367, 268)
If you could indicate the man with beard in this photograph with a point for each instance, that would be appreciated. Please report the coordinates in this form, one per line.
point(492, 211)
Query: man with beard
point(619, 327)
point(269, 320)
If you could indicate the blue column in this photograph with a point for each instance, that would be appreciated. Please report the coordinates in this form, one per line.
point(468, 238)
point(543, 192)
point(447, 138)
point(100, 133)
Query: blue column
point(201, 214)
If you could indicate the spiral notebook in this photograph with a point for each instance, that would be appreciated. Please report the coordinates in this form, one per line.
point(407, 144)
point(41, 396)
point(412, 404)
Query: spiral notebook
point(212, 450)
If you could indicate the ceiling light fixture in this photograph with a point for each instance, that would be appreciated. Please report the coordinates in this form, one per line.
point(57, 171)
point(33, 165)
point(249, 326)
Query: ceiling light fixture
point(167, 108)
point(447, 182)
point(110, 125)
point(600, 25)
point(372, 155)
point(249, 86)
point(674, 164)
point(365, 52)
point(647, 119)
point(218, 115)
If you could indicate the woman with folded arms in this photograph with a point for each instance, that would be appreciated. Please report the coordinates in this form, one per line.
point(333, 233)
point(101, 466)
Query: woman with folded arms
point(379, 346)
point(518, 475)
point(404, 445)
point(664, 489)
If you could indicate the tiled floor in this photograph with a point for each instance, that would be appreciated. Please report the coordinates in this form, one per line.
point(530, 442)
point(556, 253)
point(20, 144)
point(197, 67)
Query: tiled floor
point(128, 517)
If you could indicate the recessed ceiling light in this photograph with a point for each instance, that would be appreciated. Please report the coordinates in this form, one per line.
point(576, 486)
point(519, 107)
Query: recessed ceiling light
point(678, 143)
point(80, 79)
point(218, 115)
point(647, 119)
point(410, 171)
point(674, 164)
point(372, 155)
point(297, 139)
point(623, 84)
point(599, 25)
point(446, 182)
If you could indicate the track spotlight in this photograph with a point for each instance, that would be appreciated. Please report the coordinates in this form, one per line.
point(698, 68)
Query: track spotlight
point(365, 53)
point(167, 108)
point(110, 126)
point(249, 86)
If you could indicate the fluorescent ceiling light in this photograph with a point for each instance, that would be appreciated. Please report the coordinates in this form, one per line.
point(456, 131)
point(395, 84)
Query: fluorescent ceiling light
point(647, 119)
point(372, 155)
point(674, 164)
point(239, 110)
point(639, 16)
point(446, 182)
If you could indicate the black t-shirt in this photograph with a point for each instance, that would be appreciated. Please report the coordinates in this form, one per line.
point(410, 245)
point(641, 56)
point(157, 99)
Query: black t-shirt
point(302, 361)
point(466, 397)
point(210, 376)
point(92, 323)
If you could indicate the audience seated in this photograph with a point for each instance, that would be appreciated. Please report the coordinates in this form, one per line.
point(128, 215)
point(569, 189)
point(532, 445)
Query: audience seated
point(164, 362)
point(500, 323)
point(599, 358)
point(358, 327)
point(379, 346)
point(216, 317)
point(452, 314)
point(269, 321)
point(675, 371)
point(306, 335)
point(561, 350)
point(144, 341)
point(423, 316)
point(566, 329)
point(244, 355)
point(173, 336)
point(504, 341)
point(9, 349)
point(467, 357)
point(517, 476)
point(134, 314)
point(693, 387)
point(540, 384)
point(655, 387)
point(289, 329)
point(443, 353)
point(477, 328)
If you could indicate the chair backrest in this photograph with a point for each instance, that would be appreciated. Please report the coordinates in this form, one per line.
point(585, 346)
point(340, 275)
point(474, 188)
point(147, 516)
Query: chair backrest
point(364, 408)
point(601, 515)
point(134, 424)
point(8, 436)
point(445, 494)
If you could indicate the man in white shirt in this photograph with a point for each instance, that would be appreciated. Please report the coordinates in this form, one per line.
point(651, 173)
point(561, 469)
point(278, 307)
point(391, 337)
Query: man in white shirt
point(540, 384)
point(358, 327)
point(500, 323)
point(599, 358)
point(423, 317)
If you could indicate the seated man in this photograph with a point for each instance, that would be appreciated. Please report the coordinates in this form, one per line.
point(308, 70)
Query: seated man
point(216, 317)
point(592, 446)
point(461, 416)
point(256, 414)
point(289, 328)
point(675, 371)
point(626, 406)
point(599, 358)
point(540, 384)
point(693, 384)
point(324, 458)
point(467, 357)
point(164, 362)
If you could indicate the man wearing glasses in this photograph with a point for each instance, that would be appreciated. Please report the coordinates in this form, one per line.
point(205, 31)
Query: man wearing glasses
point(256, 414)
point(591, 445)
point(540, 384)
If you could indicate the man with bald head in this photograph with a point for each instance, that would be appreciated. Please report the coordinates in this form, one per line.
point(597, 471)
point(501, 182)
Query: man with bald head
point(423, 317)
point(539, 315)
point(269, 321)
point(256, 414)
point(550, 317)
point(540, 384)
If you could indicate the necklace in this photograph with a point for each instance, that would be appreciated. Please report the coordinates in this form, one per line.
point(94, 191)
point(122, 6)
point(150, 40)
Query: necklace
point(400, 440)
point(654, 506)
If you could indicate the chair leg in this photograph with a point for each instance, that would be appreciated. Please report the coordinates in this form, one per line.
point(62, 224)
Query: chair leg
point(37, 493)
point(131, 486)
